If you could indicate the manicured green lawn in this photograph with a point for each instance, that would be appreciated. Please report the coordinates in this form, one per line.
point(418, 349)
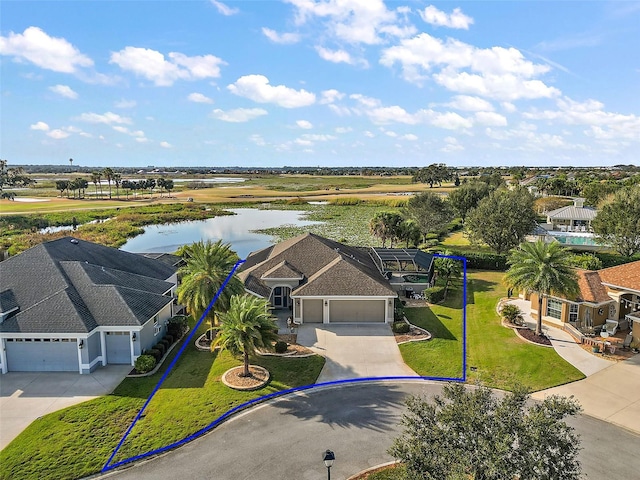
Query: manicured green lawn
point(500, 358)
point(78, 440)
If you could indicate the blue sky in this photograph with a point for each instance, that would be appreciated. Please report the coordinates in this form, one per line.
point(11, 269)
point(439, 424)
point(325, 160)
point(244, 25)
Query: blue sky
point(320, 82)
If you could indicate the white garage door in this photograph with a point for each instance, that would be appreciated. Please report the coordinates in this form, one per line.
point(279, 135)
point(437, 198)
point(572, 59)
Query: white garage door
point(356, 311)
point(42, 355)
point(118, 348)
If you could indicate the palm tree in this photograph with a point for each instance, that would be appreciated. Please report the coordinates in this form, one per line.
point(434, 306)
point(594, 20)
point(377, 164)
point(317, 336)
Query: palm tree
point(108, 174)
point(207, 266)
point(449, 269)
point(117, 178)
point(246, 326)
point(542, 268)
point(95, 178)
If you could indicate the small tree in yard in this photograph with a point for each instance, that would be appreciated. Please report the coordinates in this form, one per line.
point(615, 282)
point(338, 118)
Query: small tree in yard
point(618, 223)
point(246, 326)
point(512, 314)
point(470, 434)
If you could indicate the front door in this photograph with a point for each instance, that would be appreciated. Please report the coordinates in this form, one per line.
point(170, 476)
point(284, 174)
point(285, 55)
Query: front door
point(281, 297)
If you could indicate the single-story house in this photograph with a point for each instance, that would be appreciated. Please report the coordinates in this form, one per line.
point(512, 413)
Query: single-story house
point(323, 281)
point(72, 305)
point(607, 295)
point(572, 218)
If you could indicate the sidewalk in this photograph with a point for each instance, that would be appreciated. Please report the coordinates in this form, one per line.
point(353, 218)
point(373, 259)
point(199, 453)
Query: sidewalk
point(611, 391)
point(564, 344)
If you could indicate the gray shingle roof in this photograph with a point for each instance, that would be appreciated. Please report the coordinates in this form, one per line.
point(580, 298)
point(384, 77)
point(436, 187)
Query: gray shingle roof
point(65, 287)
point(355, 272)
point(282, 270)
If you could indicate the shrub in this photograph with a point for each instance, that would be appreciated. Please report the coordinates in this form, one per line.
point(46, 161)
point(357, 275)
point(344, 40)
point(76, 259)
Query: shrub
point(154, 353)
point(400, 327)
point(169, 338)
point(345, 201)
point(177, 326)
point(145, 363)
point(398, 313)
point(512, 314)
point(434, 294)
point(483, 261)
point(586, 261)
point(161, 347)
point(281, 347)
point(166, 343)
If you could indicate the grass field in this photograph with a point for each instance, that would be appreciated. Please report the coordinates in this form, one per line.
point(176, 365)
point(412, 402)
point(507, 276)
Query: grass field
point(500, 359)
point(77, 441)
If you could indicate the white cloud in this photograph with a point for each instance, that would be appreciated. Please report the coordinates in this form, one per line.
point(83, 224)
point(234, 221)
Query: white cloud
point(107, 118)
point(317, 137)
point(436, 17)
point(50, 53)
point(409, 136)
point(199, 98)
point(238, 115)
point(490, 119)
point(330, 96)
point(165, 145)
point(500, 73)
point(368, 134)
point(153, 65)
point(601, 124)
point(397, 114)
point(450, 121)
point(339, 56)
point(508, 107)
point(282, 38)
point(451, 145)
point(142, 139)
point(224, 9)
point(343, 129)
point(304, 124)
point(353, 21)
point(339, 110)
point(258, 140)
point(364, 101)
point(391, 133)
point(126, 131)
point(58, 134)
point(39, 126)
point(470, 104)
point(302, 142)
point(257, 88)
point(64, 91)
point(125, 104)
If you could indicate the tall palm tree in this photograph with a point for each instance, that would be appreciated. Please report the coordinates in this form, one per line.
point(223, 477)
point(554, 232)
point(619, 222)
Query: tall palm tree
point(207, 266)
point(246, 326)
point(449, 269)
point(108, 174)
point(117, 179)
point(542, 268)
point(95, 178)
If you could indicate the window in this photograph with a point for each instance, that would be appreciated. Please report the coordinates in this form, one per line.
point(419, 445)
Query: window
point(156, 325)
point(573, 312)
point(554, 308)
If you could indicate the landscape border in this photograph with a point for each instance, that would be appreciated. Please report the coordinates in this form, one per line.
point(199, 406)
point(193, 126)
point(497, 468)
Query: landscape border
point(108, 466)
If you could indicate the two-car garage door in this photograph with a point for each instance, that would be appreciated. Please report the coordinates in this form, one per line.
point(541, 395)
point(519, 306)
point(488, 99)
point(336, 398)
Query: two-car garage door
point(42, 355)
point(356, 311)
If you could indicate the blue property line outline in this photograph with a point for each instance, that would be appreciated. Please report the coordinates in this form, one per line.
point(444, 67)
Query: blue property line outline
point(273, 395)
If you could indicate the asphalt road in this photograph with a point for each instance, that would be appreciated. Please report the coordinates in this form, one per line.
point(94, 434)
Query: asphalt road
point(285, 439)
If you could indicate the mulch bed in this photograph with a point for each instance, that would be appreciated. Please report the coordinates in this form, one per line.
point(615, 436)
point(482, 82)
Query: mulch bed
point(234, 379)
point(293, 349)
point(532, 337)
point(415, 333)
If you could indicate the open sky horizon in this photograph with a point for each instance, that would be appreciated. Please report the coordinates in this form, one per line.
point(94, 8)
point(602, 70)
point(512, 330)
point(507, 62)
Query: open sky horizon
point(320, 83)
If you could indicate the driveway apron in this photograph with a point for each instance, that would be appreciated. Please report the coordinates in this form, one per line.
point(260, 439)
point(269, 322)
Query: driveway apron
point(26, 396)
point(355, 351)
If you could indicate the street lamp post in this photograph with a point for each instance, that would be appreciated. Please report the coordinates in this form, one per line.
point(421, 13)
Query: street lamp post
point(328, 457)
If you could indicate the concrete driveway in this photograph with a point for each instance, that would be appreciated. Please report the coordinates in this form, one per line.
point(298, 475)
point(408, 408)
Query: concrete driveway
point(612, 394)
point(355, 351)
point(25, 396)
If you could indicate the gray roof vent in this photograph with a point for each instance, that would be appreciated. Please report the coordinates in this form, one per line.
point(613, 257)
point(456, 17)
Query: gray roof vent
point(74, 241)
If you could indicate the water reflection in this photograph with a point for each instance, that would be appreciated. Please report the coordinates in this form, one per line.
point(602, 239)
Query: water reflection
point(233, 229)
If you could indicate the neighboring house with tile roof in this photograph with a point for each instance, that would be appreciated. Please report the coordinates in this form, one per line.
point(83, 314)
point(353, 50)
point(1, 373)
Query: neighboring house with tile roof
point(608, 294)
point(72, 305)
point(322, 281)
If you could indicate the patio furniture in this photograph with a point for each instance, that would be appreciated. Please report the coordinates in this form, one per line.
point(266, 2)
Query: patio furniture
point(611, 326)
point(627, 342)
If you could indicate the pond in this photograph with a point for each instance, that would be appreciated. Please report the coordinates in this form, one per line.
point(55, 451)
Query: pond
point(234, 229)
